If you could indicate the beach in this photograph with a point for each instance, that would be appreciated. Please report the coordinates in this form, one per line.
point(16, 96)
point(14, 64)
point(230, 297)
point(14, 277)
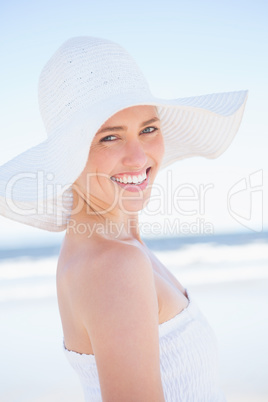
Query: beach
point(231, 291)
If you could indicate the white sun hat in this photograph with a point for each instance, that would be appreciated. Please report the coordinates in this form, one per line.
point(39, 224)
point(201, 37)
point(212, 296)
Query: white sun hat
point(84, 83)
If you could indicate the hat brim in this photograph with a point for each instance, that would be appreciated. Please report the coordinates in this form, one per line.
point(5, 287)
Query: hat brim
point(35, 187)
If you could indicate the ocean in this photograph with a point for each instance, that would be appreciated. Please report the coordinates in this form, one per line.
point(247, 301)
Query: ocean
point(227, 275)
point(29, 272)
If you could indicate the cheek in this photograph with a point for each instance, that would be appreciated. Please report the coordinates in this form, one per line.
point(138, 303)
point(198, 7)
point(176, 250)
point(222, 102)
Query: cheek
point(162, 146)
point(102, 161)
point(158, 148)
point(97, 172)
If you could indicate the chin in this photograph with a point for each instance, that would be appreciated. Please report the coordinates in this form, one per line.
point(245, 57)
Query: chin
point(134, 205)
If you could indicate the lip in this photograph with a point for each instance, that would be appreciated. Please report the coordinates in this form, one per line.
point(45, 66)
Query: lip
point(136, 173)
point(134, 187)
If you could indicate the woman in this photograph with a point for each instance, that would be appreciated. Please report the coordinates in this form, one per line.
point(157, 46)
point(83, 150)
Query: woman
point(130, 329)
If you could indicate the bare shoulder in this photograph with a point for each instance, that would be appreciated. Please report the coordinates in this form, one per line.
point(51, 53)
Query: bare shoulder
point(103, 269)
point(112, 290)
point(109, 255)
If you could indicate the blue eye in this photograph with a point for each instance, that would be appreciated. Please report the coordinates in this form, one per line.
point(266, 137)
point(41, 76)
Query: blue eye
point(149, 130)
point(108, 138)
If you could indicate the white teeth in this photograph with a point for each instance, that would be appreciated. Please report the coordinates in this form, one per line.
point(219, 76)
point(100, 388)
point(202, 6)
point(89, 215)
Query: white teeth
point(131, 179)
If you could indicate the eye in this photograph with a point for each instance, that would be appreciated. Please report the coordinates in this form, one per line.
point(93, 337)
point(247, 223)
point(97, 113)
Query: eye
point(149, 130)
point(108, 138)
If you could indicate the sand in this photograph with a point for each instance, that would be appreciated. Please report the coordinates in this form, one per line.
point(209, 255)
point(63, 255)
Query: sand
point(33, 367)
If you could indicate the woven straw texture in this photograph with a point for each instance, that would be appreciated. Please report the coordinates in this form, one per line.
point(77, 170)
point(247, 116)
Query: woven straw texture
point(84, 83)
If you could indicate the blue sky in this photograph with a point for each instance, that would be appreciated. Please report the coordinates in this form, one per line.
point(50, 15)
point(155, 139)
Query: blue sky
point(184, 48)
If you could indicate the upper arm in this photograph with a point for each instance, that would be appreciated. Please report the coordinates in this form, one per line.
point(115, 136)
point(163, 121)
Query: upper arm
point(118, 305)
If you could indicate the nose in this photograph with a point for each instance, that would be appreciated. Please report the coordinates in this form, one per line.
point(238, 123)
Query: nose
point(134, 155)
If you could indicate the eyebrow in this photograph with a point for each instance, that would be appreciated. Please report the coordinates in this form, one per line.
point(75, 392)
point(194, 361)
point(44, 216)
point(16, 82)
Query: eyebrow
point(120, 128)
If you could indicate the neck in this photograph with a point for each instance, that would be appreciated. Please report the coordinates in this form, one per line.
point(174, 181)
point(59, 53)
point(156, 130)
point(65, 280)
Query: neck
point(115, 224)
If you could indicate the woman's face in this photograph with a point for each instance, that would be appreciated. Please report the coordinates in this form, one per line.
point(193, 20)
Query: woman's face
point(124, 158)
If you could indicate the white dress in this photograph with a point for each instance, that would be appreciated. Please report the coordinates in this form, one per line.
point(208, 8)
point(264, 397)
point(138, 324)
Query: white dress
point(188, 361)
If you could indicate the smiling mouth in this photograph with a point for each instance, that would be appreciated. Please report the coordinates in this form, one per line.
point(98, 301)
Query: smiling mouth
point(135, 180)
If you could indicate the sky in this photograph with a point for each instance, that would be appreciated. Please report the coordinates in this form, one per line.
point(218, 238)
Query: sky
point(184, 48)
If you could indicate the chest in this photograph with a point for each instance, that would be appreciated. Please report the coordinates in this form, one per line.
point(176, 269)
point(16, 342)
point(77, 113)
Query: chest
point(170, 292)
